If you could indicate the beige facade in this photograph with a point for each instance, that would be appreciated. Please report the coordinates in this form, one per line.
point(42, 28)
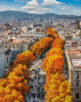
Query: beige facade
point(75, 80)
point(74, 76)
point(22, 46)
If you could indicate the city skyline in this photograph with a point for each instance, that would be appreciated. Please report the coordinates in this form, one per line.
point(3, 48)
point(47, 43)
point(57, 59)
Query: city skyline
point(43, 6)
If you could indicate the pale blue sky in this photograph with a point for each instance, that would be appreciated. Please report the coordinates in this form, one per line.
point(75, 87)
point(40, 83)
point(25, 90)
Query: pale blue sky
point(72, 7)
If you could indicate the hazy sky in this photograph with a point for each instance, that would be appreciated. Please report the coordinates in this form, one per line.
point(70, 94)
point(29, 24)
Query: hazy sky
point(43, 6)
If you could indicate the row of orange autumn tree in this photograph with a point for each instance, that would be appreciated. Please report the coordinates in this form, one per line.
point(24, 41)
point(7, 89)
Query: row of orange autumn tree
point(15, 85)
point(57, 87)
point(43, 44)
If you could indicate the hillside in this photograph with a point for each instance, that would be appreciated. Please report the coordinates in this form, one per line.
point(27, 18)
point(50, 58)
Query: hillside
point(15, 15)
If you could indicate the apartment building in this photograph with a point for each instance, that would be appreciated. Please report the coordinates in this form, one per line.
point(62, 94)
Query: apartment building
point(74, 73)
point(16, 44)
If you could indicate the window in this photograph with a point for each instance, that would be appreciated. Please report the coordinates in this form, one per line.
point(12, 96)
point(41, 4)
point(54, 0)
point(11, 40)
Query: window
point(77, 95)
point(77, 76)
point(77, 83)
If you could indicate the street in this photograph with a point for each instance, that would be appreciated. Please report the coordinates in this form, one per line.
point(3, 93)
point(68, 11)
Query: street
point(36, 93)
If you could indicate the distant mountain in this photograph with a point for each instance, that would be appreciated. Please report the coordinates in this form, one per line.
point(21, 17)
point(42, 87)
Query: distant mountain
point(15, 15)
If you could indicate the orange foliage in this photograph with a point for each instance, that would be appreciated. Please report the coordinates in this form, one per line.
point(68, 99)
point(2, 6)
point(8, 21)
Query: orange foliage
point(51, 32)
point(53, 51)
point(43, 44)
point(15, 85)
point(57, 87)
point(58, 43)
point(53, 63)
point(25, 58)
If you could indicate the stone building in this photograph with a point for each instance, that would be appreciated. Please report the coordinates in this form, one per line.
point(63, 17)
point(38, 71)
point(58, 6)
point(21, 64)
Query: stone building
point(74, 74)
point(23, 46)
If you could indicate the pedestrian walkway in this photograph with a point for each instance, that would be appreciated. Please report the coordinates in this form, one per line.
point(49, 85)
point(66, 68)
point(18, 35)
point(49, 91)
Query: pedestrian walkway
point(36, 93)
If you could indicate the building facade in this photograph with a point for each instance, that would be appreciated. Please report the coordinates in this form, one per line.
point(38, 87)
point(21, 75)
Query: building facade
point(8, 55)
point(22, 46)
point(2, 61)
point(74, 74)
